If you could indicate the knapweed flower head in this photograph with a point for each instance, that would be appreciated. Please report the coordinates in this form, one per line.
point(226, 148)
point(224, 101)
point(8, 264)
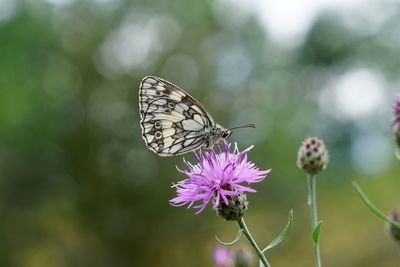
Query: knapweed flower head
point(313, 156)
point(394, 230)
point(222, 256)
point(396, 118)
point(217, 175)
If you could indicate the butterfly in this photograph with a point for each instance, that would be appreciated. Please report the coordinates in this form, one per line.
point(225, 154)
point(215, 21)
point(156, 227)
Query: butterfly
point(173, 122)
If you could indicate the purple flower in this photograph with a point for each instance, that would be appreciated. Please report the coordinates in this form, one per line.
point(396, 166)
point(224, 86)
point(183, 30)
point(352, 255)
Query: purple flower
point(222, 256)
point(217, 175)
point(396, 119)
point(396, 111)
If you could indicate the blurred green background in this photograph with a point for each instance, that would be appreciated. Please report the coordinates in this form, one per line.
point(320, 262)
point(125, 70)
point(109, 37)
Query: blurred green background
point(78, 186)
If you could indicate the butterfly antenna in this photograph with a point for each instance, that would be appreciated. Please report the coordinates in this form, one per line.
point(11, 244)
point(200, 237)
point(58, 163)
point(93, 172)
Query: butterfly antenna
point(251, 125)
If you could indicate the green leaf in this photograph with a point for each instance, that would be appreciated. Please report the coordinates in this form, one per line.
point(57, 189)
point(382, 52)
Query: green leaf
point(372, 207)
point(239, 234)
point(316, 233)
point(282, 235)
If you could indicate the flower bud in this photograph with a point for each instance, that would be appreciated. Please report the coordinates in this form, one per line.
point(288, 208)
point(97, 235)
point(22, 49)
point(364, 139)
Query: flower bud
point(243, 257)
point(395, 230)
point(313, 156)
point(235, 209)
point(396, 119)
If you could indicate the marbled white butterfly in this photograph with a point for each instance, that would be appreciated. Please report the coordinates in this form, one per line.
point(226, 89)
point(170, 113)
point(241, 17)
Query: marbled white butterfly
point(173, 122)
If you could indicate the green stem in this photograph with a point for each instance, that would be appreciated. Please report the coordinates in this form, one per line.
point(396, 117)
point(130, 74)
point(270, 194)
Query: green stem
point(253, 243)
point(372, 207)
point(312, 202)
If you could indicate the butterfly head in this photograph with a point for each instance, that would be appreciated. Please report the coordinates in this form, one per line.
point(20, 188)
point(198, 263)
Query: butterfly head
point(216, 135)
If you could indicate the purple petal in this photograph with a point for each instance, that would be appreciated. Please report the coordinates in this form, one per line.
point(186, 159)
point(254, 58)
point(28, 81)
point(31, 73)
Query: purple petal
point(214, 172)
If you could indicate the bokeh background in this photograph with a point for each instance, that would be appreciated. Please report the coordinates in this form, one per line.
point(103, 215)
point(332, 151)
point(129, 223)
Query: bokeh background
point(78, 186)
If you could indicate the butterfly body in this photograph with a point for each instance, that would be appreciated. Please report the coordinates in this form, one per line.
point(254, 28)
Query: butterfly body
point(173, 122)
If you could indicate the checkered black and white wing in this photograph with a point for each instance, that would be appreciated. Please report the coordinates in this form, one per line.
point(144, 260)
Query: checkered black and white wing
point(172, 121)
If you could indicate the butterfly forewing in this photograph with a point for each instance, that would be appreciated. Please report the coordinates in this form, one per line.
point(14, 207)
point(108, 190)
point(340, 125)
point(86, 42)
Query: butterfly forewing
point(172, 121)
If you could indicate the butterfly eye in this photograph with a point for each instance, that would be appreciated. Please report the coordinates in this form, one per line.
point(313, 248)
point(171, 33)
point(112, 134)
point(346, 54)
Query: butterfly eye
point(226, 134)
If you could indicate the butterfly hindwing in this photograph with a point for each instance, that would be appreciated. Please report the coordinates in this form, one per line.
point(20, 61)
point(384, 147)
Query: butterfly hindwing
point(172, 121)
